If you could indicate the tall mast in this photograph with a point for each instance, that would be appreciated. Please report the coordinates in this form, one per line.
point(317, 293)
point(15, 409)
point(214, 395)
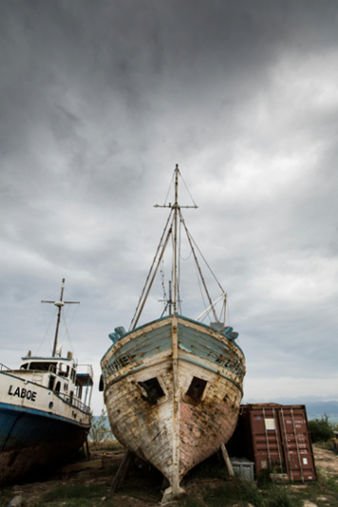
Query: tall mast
point(59, 304)
point(170, 229)
point(175, 244)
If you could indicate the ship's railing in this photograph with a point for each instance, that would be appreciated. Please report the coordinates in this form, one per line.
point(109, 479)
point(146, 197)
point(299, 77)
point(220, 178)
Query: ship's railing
point(74, 402)
point(70, 400)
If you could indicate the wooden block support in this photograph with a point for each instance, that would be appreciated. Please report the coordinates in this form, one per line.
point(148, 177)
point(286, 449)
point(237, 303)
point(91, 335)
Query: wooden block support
point(122, 471)
point(86, 447)
point(228, 464)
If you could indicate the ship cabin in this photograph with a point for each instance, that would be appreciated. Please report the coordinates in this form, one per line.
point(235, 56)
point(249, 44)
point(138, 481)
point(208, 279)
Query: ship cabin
point(71, 382)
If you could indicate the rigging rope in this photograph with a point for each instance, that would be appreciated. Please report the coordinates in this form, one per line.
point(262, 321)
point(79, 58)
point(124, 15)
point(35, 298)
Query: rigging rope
point(179, 267)
point(67, 333)
point(172, 228)
point(47, 332)
point(187, 189)
point(199, 267)
point(202, 296)
point(152, 272)
point(163, 284)
point(206, 263)
point(170, 186)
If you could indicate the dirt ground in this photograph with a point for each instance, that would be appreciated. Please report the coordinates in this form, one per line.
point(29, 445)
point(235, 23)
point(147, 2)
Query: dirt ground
point(326, 460)
point(88, 483)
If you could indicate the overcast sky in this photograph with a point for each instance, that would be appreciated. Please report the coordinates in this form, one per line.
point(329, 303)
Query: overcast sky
point(99, 101)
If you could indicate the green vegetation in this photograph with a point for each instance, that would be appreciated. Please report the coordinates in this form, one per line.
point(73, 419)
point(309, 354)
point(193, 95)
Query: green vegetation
point(72, 502)
point(321, 430)
point(323, 492)
point(190, 501)
point(206, 486)
point(99, 431)
point(216, 493)
point(326, 483)
point(221, 494)
point(76, 491)
point(243, 492)
point(280, 497)
point(237, 491)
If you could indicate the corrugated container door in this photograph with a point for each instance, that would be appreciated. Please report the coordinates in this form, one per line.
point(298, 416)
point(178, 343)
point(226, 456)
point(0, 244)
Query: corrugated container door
point(296, 443)
point(276, 437)
point(267, 447)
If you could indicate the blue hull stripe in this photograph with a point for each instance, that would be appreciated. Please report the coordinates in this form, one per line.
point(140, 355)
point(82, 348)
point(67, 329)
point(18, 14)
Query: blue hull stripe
point(21, 428)
point(40, 413)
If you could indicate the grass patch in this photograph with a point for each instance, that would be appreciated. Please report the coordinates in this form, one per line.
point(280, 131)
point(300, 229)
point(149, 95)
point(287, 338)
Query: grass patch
point(74, 502)
point(76, 492)
point(327, 485)
point(237, 491)
point(5, 497)
point(106, 445)
point(280, 497)
point(190, 501)
point(244, 492)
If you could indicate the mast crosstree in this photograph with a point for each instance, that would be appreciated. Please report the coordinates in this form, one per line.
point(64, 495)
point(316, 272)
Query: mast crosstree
point(171, 229)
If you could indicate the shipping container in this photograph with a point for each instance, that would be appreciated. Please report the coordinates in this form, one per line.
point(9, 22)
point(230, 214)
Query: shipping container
point(243, 469)
point(276, 438)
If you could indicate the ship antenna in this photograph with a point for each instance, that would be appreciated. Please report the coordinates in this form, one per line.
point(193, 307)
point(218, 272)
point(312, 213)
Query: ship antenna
point(59, 304)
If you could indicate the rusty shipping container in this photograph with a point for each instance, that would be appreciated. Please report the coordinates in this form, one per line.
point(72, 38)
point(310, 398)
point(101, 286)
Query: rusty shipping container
point(276, 438)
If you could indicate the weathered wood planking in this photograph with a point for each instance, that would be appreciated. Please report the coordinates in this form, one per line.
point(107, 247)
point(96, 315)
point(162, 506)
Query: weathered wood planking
point(178, 429)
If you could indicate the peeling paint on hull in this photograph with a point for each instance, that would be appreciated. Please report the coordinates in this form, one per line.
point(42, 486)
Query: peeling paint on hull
point(44, 416)
point(29, 441)
point(180, 429)
point(39, 430)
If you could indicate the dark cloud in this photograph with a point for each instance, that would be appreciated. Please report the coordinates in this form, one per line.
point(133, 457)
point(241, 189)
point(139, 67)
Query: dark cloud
point(99, 100)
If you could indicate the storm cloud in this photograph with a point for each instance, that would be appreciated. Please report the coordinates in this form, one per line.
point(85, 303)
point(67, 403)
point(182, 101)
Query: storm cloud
point(100, 100)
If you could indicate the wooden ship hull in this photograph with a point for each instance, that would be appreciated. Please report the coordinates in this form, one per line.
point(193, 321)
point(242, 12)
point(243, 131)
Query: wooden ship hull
point(173, 389)
point(173, 386)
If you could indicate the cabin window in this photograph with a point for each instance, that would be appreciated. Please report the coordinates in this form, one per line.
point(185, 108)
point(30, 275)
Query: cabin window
point(24, 366)
point(42, 366)
point(101, 384)
point(79, 392)
point(152, 389)
point(196, 388)
point(57, 387)
point(51, 382)
point(63, 370)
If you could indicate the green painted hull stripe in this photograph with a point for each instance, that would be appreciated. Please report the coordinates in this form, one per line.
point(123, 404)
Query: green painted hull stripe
point(184, 359)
